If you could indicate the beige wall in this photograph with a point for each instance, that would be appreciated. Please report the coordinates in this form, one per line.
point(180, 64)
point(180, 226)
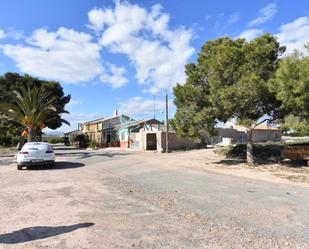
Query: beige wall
point(92, 127)
point(266, 135)
point(175, 143)
point(136, 140)
point(258, 135)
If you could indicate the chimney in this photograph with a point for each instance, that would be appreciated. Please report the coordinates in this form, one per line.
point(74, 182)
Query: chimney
point(116, 113)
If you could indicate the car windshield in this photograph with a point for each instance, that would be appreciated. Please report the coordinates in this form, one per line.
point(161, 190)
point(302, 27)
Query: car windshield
point(36, 146)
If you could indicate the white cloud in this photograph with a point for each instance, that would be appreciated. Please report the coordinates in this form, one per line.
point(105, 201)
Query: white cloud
point(265, 14)
point(74, 102)
point(14, 34)
point(250, 34)
point(158, 53)
point(75, 118)
point(141, 107)
point(233, 18)
point(115, 77)
point(78, 117)
point(294, 34)
point(65, 55)
point(2, 34)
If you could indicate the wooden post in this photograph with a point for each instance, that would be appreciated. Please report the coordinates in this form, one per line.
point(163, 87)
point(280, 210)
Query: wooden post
point(166, 123)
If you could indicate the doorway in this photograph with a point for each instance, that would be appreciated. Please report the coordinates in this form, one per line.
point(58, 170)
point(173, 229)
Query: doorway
point(108, 138)
point(151, 141)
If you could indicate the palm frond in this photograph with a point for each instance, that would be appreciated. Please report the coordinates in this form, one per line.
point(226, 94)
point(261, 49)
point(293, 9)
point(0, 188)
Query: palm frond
point(65, 121)
point(34, 107)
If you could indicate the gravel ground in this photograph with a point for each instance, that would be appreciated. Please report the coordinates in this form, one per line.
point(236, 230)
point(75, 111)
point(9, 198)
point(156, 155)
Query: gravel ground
point(126, 199)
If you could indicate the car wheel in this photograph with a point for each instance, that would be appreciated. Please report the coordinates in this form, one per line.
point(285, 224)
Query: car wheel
point(51, 166)
point(308, 163)
point(19, 167)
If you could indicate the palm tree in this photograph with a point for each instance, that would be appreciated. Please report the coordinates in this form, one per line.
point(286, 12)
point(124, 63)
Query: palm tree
point(32, 109)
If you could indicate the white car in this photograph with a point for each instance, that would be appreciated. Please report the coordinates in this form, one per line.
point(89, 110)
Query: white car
point(35, 153)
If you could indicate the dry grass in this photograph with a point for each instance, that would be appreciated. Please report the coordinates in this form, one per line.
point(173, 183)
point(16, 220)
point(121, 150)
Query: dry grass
point(7, 150)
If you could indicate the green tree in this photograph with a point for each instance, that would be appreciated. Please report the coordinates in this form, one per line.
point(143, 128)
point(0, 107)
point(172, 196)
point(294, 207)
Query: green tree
point(11, 82)
point(31, 108)
point(229, 81)
point(9, 133)
point(291, 86)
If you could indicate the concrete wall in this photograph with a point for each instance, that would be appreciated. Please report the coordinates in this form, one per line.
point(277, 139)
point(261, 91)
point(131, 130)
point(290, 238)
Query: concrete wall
point(258, 135)
point(229, 133)
point(139, 141)
point(266, 135)
point(136, 140)
point(174, 143)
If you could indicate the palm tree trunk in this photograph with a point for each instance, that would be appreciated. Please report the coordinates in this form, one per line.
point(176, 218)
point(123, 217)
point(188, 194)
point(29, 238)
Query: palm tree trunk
point(33, 135)
point(250, 157)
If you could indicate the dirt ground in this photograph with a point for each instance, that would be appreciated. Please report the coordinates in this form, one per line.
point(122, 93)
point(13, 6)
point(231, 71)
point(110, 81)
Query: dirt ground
point(128, 199)
point(285, 172)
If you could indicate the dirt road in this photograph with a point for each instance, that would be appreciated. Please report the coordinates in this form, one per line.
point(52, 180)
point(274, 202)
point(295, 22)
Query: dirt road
point(126, 199)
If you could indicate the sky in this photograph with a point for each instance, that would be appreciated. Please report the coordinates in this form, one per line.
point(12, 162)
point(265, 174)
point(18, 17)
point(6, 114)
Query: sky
point(123, 55)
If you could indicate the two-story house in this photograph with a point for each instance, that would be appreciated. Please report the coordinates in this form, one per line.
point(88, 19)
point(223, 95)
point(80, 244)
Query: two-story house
point(103, 130)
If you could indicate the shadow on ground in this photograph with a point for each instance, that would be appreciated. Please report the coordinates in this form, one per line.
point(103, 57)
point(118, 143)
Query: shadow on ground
point(38, 232)
point(82, 155)
point(294, 164)
point(231, 162)
point(5, 162)
point(58, 165)
point(68, 148)
point(261, 162)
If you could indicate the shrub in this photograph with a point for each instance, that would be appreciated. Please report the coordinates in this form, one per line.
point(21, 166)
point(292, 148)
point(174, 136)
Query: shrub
point(15, 141)
point(7, 141)
point(79, 140)
point(92, 144)
point(72, 139)
point(263, 151)
point(55, 140)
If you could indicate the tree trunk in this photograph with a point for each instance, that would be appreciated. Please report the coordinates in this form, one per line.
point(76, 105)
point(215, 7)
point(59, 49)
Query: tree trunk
point(39, 136)
point(250, 158)
point(30, 135)
point(33, 135)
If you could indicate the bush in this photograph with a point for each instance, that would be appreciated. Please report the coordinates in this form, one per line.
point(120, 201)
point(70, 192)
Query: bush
point(92, 144)
point(55, 140)
point(8, 141)
point(263, 151)
point(79, 140)
point(15, 141)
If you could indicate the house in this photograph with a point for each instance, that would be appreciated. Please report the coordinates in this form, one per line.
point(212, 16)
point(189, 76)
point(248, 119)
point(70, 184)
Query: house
point(130, 133)
point(150, 134)
point(104, 131)
point(232, 133)
point(119, 131)
point(125, 132)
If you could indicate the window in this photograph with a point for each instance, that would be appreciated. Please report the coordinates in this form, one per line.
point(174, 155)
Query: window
point(122, 136)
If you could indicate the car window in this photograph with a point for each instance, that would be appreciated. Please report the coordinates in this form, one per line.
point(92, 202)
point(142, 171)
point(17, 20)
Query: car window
point(32, 148)
point(36, 146)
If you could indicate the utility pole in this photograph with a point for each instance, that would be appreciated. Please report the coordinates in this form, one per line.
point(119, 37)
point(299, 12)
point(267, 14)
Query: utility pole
point(154, 106)
point(166, 123)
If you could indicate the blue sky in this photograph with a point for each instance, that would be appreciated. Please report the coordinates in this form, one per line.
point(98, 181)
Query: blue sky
point(118, 54)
